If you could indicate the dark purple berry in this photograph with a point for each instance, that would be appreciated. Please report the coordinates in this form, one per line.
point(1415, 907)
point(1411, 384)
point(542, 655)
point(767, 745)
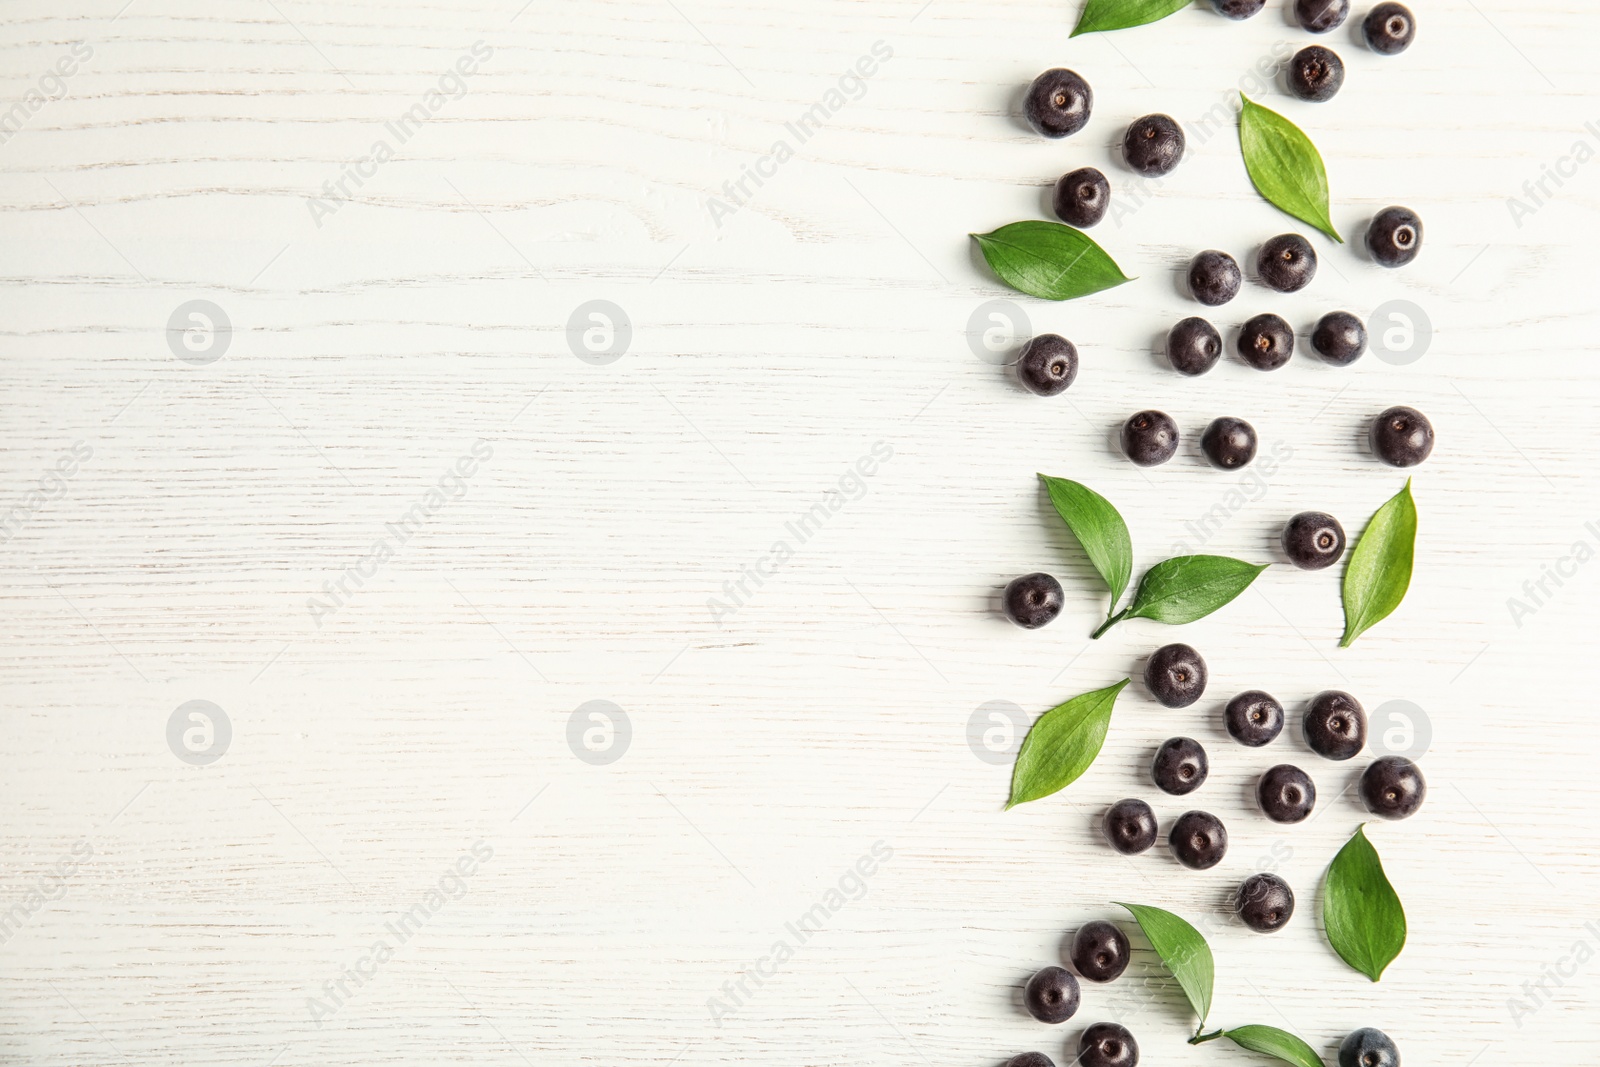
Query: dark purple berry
point(1030, 1059)
point(1286, 793)
point(1059, 102)
point(1130, 826)
point(1265, 902)
point(1254, 718)
point(1082, 197)
point(1335, 725)
point(1214, 277)
point(1389, 29)
point(1100, 951)
point(1175, 675)
point(1315, 73)
point(1048, 364)
point(1193, 346)
point(1238, 9)
point(1368, 1047)
point(1402, 437)
point(1266, 342)
point(1108, 1045)
point(1313, 540)
point(1052, 995)
point(1287, 263)
point(1229, 443)
point(1320, 16)
point(1199, 840)
point(1153, 145)
point(1180, 766)
point(1339, 338)
point(1393, 787)
point(1033, 600)
point(1394, 236)
point(1150, 438)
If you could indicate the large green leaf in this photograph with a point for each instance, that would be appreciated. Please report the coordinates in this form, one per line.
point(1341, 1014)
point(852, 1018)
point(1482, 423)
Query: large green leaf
point(1285, 166)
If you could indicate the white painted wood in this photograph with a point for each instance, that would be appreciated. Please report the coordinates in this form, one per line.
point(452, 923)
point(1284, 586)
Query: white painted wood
point(772, 748)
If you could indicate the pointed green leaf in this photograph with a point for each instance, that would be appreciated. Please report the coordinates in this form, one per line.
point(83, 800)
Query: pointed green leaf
point(1049, 260)
point(1379, 571)
point(1271, 1041)
point(1361, 913)
point(1183, 951)
point(1186, 588)
point(1099, 529)
point(1285, 166)
point(1099, 15)
point(1062, 744)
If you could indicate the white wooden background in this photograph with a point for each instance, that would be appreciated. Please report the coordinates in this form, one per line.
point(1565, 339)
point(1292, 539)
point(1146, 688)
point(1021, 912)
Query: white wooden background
point(194, 910)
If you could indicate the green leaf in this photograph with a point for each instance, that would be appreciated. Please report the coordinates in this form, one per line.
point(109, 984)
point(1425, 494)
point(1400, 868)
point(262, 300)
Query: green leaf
point(1379, 571)
point(1361, 913)
point(1285, 166)
point(1099, 529)
point(1099, 15)
point(1271, 1041)
point(1186, 588)
point(1049, 260)
point(1183, 951)
point(1062, 745)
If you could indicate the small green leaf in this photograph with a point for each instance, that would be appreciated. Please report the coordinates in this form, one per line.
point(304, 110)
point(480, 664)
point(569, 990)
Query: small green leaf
point(1099, 15)
point(1183, 951)
point(1271, 1041)
point(1186, 588)
point(1099, 529)
point(1361, 914)
point(1285, 166)
point(1049, 260)
point(1062, 745)
point(1379, 571)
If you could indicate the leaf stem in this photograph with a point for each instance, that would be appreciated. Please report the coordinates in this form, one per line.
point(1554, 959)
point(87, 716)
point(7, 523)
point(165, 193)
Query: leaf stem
point(1200, 1039)
point(1111, 620)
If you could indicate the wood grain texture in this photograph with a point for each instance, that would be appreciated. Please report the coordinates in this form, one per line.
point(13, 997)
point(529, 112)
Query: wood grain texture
point(376, 345)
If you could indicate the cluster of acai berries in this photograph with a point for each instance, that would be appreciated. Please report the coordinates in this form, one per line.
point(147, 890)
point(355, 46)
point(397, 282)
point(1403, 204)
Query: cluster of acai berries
point(1059, 103)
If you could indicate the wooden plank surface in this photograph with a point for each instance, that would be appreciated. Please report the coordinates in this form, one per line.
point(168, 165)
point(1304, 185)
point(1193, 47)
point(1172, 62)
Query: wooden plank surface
point(399, 535)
